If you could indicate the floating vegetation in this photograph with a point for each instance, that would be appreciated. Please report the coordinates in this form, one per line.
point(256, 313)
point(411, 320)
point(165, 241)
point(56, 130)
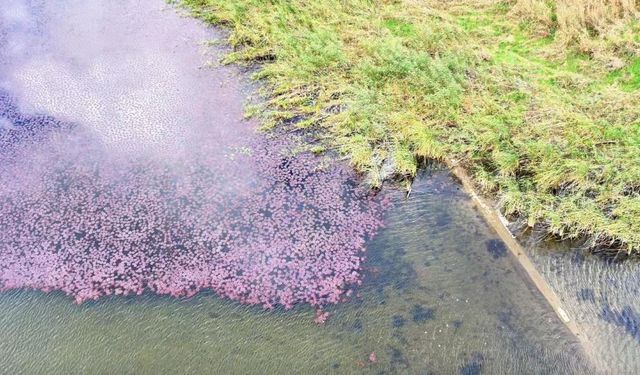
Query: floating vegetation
point(259, 228)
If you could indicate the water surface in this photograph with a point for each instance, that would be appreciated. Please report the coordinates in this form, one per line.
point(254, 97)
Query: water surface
point(116, 99)
point(437, 298)
point(602, 296)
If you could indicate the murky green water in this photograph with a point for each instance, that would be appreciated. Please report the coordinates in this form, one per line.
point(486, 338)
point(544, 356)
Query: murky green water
point(435, 300)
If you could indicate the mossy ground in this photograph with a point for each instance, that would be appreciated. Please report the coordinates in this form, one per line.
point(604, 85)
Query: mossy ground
point(550, 130)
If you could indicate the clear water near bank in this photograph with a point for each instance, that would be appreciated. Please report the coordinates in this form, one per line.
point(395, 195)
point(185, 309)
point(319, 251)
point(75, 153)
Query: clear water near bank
point(603, 299)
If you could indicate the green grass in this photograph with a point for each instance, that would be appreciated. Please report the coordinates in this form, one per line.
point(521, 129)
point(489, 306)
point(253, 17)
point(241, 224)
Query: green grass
point(628, 77)
point(553, 137)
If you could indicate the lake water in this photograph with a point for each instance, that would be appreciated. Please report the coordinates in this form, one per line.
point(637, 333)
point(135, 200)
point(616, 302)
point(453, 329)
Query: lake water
point(118, 101)
point(602, 297)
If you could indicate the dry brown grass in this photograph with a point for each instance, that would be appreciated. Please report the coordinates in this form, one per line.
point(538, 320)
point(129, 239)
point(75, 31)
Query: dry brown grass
point(537, 12)
point(580, 18)
point(600, 28)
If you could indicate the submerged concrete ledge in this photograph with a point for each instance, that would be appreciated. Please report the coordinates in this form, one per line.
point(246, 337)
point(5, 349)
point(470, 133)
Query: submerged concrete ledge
point(498, 222)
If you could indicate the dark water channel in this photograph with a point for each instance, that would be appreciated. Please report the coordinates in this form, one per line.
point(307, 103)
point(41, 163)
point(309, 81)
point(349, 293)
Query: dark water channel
point(126, 86)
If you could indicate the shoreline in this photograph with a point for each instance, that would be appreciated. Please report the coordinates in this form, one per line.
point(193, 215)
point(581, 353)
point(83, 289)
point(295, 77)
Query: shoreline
point(390, 89)
point(496, 221)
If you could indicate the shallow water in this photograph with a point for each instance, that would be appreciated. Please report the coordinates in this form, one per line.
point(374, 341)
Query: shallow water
point(126, 88)
point(436, 299)
point(602, 297)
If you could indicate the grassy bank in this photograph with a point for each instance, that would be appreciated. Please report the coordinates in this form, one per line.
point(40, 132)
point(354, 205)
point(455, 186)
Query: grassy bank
point(538, 100)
